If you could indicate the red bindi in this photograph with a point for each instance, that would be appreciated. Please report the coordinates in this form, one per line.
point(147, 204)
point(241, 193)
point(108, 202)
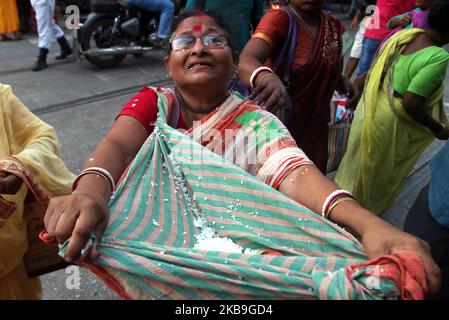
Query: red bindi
point(197, 28)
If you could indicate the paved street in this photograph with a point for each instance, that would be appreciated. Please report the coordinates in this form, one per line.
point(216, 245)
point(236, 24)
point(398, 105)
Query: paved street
point(81, 102)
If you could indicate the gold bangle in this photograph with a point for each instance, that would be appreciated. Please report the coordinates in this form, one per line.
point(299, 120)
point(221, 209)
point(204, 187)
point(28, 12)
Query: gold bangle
point(264, 76)
point(337, 202)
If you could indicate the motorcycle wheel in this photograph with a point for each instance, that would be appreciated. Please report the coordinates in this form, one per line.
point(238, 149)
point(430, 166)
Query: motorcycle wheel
point(98, 35)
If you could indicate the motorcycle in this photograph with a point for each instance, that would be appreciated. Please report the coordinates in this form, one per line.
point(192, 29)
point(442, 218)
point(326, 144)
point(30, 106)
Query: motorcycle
point(114, 29)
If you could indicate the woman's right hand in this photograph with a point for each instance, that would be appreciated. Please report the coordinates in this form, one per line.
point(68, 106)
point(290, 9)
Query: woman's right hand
point(85, 211)
point(76, 217)
point(270, 92)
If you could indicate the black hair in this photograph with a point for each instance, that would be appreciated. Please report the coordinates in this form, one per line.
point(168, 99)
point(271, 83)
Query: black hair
point(438, 16)
point(192, 13)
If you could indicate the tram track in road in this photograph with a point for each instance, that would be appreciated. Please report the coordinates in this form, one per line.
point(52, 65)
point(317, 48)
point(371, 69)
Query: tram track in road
point(98, 97)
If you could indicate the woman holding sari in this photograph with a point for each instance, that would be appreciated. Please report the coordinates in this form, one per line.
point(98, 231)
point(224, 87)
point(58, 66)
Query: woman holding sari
point(399, 114)
point(31, 172)
point(200, 62)
point(316, 72)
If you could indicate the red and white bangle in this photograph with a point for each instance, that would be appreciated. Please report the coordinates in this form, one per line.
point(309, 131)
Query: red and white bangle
point(332, 198)
point(98, 171)
point(255, 73)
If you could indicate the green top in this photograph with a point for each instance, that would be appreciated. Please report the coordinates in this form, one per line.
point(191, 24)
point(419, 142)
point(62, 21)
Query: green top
point(421, 72)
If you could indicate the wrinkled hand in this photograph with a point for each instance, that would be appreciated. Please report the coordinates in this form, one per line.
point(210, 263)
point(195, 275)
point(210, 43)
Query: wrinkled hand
point(9, 183)
point(270, 93)
point(351, 91)
point(405, 20)
point(383, 239)
point(76, 216)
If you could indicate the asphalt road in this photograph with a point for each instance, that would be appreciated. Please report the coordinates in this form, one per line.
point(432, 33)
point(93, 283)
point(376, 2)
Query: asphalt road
point(81, 102)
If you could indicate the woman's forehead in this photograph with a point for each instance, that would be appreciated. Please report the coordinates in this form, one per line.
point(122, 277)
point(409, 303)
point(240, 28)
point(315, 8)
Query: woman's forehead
point(198, 24)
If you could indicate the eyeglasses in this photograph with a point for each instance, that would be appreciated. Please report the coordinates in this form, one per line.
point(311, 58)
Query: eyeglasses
point(211, 41)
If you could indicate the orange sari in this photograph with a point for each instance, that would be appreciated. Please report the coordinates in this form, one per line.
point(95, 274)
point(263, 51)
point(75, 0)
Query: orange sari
point(9, 16)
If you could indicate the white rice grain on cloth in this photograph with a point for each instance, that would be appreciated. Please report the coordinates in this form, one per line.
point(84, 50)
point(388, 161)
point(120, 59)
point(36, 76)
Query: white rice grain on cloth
point(207, 239)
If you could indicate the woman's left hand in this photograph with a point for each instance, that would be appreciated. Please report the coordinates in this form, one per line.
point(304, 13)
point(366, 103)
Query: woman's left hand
point(9, 183)
point(382, 239)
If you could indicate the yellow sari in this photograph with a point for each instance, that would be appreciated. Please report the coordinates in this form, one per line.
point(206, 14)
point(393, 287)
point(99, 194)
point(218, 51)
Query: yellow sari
point(30, 149)
point(385, 142)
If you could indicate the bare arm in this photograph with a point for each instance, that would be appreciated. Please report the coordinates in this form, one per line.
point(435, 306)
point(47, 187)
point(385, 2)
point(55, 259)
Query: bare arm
point(413, 105)
point(357, 18)
point(85, 211)
point(269, 92)
point(399, 21)
point(359, 82)
point(312, 188)
point(255, 53)
point(344, 85)
point(116, 151)
point(309, 187)
point(393, 23)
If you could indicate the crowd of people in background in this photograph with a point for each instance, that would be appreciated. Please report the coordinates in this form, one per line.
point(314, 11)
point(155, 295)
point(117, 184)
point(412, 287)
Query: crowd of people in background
point(289, 56)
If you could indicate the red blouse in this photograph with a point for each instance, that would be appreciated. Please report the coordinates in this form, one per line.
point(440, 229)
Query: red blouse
point(143, 108)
